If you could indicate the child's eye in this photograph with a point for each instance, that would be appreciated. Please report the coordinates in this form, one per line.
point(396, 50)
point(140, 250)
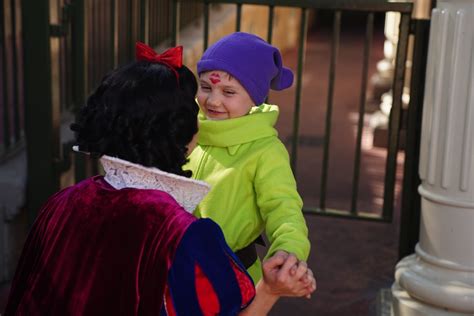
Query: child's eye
point(229, 92)
point(205, 88)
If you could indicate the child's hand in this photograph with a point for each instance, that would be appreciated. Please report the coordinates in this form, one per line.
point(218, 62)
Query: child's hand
point(305, 277)
point(310, 281)
point(285, 276)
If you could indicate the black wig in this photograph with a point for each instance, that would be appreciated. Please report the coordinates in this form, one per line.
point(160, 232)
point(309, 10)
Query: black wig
point(142, 113)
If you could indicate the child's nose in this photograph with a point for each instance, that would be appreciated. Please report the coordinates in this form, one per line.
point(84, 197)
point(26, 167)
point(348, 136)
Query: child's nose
point(213, 100)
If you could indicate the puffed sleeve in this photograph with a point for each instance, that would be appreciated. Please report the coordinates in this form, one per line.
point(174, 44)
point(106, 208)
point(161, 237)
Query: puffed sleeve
point(206, 278)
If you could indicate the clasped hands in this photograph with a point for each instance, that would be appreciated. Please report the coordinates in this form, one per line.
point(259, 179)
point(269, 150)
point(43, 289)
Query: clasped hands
point(285, 275)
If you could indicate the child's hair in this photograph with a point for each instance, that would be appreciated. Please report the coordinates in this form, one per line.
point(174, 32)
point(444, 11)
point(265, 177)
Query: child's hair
point(256, 64)
point(141, 113)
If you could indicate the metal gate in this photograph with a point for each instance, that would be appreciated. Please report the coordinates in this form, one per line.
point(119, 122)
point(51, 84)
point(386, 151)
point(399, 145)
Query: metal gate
point(70, 44)
point(407, 26)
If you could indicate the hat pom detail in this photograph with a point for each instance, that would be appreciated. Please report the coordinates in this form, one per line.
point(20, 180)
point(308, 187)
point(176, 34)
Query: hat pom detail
point(283, 80)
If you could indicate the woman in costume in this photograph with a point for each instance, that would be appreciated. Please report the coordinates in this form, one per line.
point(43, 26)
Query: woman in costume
point(126, 243)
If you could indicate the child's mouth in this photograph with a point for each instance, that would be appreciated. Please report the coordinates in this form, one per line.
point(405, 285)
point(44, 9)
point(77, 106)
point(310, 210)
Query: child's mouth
point(213, 112)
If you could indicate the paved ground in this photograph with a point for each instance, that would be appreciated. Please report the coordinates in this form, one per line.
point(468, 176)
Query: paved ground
point(352, 260)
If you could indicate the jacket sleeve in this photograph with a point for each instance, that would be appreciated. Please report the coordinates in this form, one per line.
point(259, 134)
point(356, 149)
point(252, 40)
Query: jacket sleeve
point(280, 204)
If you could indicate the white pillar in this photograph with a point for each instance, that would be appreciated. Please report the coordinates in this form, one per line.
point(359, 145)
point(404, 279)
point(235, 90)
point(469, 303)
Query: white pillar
point(439, 278)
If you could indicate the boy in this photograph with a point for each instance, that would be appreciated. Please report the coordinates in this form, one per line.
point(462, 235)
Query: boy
point(239, 153)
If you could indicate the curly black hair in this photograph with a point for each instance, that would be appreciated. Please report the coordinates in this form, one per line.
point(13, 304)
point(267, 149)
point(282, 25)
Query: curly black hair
point(142, 113)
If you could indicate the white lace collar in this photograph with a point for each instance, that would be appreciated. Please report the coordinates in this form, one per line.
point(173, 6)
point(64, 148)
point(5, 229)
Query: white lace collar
point(121, 174)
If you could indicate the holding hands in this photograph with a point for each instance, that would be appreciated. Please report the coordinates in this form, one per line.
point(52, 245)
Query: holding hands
point(284, 275)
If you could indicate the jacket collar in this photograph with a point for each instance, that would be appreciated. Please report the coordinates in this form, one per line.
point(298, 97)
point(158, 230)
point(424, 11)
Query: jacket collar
point(232, 132)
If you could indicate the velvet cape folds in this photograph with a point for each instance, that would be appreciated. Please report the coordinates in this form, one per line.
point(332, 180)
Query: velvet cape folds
point(95, 250)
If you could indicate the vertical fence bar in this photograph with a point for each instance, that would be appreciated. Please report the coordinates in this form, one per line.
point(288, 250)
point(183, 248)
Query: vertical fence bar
point(206, 25)
point(68, 60)
point(96, 42)
point(162, 23)
point(104, 41)
point(5, 78)
point(62, 60)
point(152, 7)
point(271, 13)
point(43, 179)
point(174, 22)
point(238, 18)
point(410, 210)
point(56, 85)
point(20, 72)
point(15, 92)
point(360, 124)
point(163, 27)
point(80, 61)
point(114, 33)
point(299, 79)
point(130, 36)
point(95, 23)
point(105, 37)
point(395, 117)
point(99, 26)
point(90, 14)
point(336, 33)
point(91, 17)
point(271, 17)
point(144, 21)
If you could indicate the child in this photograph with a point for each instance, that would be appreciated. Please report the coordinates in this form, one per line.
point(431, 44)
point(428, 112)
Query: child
point(239, 153)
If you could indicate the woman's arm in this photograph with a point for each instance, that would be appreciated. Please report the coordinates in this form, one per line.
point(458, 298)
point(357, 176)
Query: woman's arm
point(262, 303)
point(278, 280)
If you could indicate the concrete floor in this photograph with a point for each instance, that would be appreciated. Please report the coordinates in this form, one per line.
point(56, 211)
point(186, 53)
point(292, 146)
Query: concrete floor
point(352, 259)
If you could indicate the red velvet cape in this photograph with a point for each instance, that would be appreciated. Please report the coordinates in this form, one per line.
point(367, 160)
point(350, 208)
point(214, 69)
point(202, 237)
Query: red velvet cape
point(94, 250)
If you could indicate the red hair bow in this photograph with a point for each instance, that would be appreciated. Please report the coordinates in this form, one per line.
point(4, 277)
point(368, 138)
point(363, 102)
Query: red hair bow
point(172, 57)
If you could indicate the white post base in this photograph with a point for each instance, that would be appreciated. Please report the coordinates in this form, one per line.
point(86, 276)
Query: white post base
point(403, 304)
point(439, 291)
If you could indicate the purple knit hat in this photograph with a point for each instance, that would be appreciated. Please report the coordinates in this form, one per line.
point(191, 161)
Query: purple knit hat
point(248, 58)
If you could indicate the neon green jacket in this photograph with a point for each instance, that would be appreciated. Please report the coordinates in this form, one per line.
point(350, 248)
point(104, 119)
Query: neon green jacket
point(252, 185)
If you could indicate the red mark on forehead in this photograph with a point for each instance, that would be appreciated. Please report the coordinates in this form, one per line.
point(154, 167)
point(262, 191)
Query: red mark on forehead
point(215, 78)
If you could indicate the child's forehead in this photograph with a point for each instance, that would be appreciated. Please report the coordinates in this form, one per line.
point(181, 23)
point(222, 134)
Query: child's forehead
point(217, 73)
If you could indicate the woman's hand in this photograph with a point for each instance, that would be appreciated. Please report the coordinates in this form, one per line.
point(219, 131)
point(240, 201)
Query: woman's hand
point(283, 275)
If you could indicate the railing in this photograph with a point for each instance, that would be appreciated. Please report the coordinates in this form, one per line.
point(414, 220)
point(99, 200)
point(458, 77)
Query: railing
point(369, 8)
point(90, 37)
point(108, 19)
point(120, 23)
point(69, 46)
point(11, 79)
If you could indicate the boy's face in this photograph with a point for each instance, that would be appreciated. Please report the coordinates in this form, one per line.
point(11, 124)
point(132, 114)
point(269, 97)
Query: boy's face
point(222, 97)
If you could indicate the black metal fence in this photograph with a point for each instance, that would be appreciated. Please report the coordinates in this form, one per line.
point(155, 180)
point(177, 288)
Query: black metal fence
point(112, 27)
point(369, 8)
point(11, 79)
point(70, 44)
